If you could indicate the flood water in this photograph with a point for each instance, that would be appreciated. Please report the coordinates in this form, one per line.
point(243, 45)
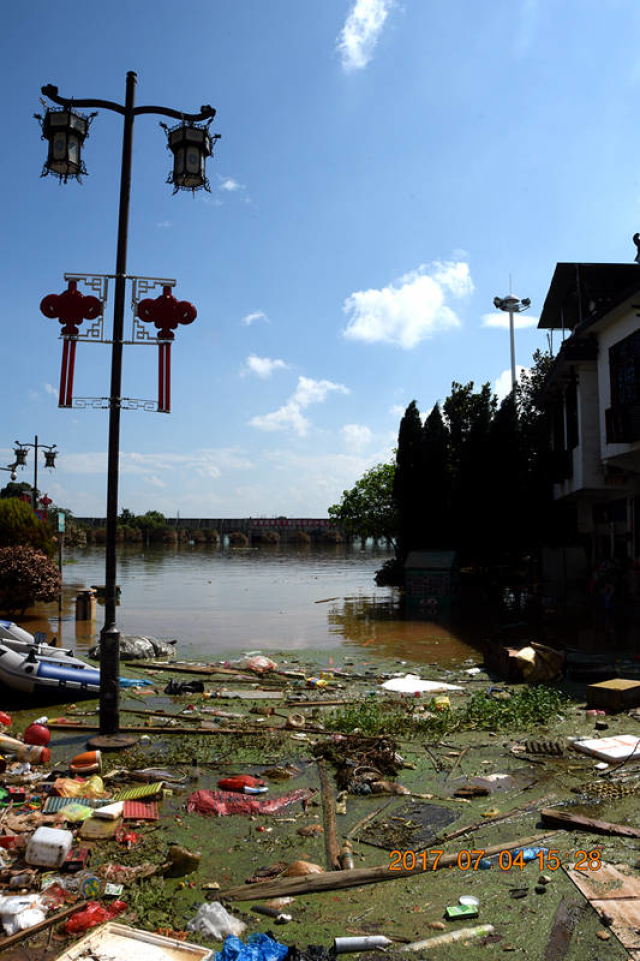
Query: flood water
point(217, 601)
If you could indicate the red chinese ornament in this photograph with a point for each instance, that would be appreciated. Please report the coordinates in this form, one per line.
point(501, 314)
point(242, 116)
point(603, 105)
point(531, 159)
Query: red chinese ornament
point(70, 308)
point(165, 312)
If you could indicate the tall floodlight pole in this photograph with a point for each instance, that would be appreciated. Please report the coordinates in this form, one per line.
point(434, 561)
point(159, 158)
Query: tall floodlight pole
point(512, 305)
point(190, 143)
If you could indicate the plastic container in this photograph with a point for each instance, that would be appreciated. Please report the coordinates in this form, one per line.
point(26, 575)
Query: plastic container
point(88, 763)
point(37, 734)
point(48, 847)
point(33, 753)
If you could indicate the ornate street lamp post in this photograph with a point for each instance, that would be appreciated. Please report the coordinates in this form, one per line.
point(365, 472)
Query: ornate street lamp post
point(512, 305)
point(190, 148)
point(50, 453)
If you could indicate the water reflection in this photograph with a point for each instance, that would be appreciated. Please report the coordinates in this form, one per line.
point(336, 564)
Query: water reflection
point(380, 626)
point(217, 600)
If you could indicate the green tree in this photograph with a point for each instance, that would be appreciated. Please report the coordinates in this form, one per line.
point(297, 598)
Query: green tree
point(436, 489)
point(26, 576)
point(13, 489)
point(408, 482)
point(469, 415)
point(368, 509)
point(20, 526)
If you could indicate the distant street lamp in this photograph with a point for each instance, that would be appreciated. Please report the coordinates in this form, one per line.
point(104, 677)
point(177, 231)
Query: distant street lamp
point(12, 468)
point(50, 453)
point(512, 305)
point(190, 143)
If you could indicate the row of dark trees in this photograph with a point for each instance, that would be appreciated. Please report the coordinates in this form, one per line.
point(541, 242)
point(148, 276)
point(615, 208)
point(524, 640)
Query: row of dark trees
point(475, 476)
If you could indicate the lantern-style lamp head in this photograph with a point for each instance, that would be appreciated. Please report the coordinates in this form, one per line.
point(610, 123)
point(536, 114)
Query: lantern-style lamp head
point(65, 130)
point(50, 458)
point(190, 144)
point(21, 456)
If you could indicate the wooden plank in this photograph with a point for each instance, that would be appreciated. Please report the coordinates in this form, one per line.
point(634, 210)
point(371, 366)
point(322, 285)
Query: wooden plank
point(564, 819)
point(339, 880)
point(564, 922)
point(332, 851)
point(609, 882)
point(612, 892)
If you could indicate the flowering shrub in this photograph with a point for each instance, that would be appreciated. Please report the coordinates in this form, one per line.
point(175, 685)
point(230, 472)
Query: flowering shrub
point(26, 576)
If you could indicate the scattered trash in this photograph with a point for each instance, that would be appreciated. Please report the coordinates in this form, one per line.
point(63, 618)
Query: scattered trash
point(462, 934)
point(176, 688)
point(215, 922)
point(93, 915)
point(259, 947)
point(620, 747)
point(223, 803)
point(540, 664)
point(243, 784)
point(48, 847)
point(412, 684)
point(371, 942)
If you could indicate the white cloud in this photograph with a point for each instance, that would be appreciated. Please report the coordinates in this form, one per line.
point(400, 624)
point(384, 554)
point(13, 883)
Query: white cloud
point(263, 366)
point(361, 31)
point(204, 463)
point(356, 436)
point(230, 185)
point(290, 416)
point(249, 319)
point(50, 389)
point(397, 410)
point(502, 386)
point(410, 310)
point(500, 319)
point(287, 417)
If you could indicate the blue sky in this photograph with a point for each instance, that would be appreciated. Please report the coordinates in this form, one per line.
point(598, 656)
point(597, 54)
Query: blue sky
point(384, 167)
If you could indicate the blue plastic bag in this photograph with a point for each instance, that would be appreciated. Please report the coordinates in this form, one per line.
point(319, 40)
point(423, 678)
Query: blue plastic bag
point(259, 947)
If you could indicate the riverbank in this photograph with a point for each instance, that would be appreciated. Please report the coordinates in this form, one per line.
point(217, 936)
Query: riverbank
point(513, 737)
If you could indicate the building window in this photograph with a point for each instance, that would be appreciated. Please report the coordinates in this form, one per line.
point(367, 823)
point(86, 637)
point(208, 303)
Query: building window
point(624, 371)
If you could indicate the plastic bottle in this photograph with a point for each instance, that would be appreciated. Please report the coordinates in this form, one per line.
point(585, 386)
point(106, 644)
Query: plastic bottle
point(461, 934)
point(346, 856)
point(34, 753)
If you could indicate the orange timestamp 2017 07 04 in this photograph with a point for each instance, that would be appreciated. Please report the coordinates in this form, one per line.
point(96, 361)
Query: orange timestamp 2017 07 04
point(470, 860)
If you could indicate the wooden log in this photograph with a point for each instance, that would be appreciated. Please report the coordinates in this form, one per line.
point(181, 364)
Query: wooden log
point(332, 851)
point(137, 729)
point(568, 821)
point(564, 922)
point(339, 880)
point(368, 817)
point(42, 926)
point(487, 822)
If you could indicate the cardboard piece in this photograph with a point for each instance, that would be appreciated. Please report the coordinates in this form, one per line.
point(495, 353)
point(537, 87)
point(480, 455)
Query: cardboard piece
point(95, 829)
point(619, 694)
point(617, 748)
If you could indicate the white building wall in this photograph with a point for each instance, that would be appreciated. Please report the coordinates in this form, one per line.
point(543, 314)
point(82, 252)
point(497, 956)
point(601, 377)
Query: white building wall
point(589, 429)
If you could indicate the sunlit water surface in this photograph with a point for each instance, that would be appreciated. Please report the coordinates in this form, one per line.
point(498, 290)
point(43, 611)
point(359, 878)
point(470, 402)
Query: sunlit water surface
point(217, 601)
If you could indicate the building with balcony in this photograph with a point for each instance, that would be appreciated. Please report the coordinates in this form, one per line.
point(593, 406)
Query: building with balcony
point(593, 393)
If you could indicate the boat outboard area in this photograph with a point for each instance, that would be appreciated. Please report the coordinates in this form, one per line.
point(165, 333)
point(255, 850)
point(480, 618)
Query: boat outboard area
point(30, 665)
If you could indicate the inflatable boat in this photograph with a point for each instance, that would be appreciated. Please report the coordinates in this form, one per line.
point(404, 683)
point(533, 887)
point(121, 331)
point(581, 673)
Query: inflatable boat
point(20, 640)
point(30, 665)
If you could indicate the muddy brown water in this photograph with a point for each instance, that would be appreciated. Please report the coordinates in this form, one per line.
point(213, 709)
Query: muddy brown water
point(217, 601)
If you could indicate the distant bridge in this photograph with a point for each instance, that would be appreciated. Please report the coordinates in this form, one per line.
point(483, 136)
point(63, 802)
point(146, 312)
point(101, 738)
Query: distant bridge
point(313, 526)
